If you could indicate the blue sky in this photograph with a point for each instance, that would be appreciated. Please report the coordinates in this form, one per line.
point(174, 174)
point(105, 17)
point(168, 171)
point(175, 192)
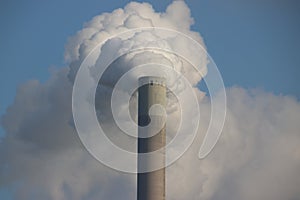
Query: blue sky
point(255, 44)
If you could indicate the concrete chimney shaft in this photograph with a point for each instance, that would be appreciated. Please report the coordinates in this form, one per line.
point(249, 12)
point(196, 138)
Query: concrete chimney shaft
point(151, 185)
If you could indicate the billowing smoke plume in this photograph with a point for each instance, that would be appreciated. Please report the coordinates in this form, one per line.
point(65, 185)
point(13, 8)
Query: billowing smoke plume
point(41, 157)
point(135, 15)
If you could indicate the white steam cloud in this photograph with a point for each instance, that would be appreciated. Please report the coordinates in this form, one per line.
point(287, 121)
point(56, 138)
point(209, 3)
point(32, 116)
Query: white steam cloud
point(41, 157)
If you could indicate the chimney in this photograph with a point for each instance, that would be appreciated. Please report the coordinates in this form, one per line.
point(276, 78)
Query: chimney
point(151, 93)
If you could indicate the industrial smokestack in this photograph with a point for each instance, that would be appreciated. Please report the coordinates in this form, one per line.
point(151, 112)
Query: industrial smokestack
point(152, 137)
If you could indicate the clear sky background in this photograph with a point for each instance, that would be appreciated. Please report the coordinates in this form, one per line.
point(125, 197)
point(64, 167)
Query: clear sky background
point(255, 44)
